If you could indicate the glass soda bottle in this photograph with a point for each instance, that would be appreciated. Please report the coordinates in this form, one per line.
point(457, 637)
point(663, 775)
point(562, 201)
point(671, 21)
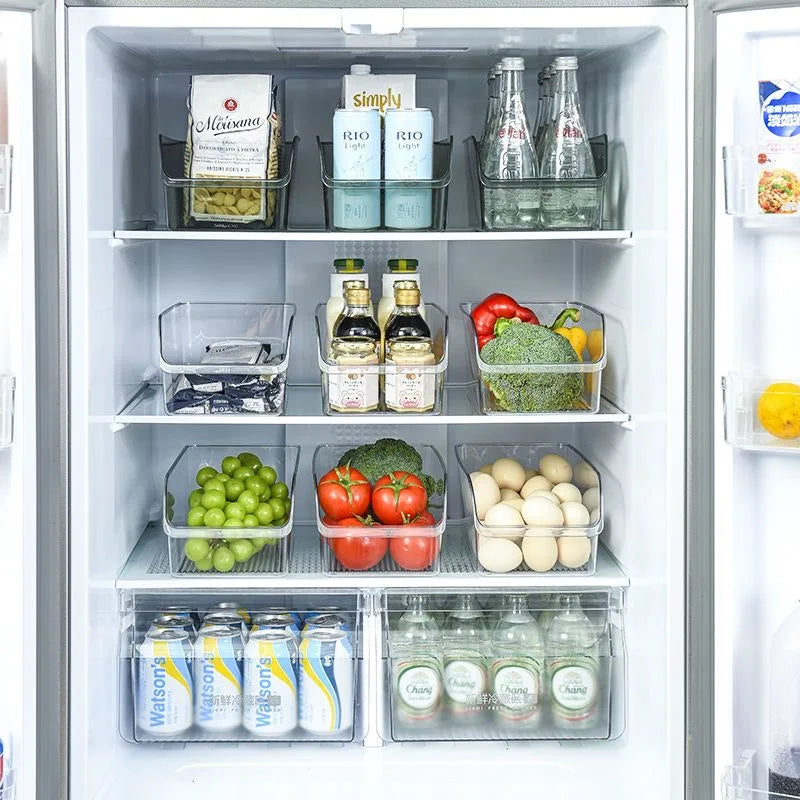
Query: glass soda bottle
point(516, 671)
point(784, 709)
point(492, 104)
point(573, 672)
point(465, 637)
point(566, 154)
point(417, 662)
point(509, 155)
point(543, 122)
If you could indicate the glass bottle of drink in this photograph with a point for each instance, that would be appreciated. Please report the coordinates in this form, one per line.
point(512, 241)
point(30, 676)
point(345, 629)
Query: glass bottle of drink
point(516, 671)
point(510, 156)
point(573, 668)
point(566, 154)
point(543, 122)
point(465, 639)
point(493, 80)
point(417, 663)
point(784, 709)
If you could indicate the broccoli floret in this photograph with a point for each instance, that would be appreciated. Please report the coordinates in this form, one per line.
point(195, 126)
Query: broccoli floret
point(390, 455)
point(526, 343)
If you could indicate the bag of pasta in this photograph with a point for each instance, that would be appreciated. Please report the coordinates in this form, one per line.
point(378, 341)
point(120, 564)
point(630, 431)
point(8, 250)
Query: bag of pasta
point(779, 147)
point(234, 132)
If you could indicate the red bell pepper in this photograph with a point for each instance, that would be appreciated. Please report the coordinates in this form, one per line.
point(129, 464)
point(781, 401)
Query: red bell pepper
point(495, 307)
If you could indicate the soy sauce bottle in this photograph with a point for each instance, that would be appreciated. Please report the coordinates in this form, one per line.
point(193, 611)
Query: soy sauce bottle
point(356, 319)
point(406, 320)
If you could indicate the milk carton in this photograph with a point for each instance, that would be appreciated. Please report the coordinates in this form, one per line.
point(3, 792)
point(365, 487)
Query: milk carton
point(362, 90)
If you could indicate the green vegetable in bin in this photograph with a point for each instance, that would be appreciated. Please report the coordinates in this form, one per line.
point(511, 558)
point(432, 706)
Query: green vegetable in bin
point(526, 343)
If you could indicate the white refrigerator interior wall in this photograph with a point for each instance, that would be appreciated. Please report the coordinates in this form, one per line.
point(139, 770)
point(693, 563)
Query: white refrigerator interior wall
point(757, 547)
point(128, 75)
point(18, 462)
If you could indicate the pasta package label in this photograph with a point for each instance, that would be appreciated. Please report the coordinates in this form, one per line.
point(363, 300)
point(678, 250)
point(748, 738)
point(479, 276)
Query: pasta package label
point(233, 132)
point(779, 147)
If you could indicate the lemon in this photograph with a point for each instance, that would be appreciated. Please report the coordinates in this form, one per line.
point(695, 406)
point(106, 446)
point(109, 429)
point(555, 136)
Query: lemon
point(779, 410)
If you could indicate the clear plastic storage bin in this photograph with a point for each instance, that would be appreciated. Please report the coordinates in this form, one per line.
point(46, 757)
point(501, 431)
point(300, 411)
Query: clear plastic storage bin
point(581, 381)
point(416, 387)
point(190, 387)
point(747, 779)
point(382, 548)
point(749, 399)
point(177, 187)
point(556, 550)
point(181, 481)
point(247, 702)
point(495, 199)
point(451, 688)
point(434, 192)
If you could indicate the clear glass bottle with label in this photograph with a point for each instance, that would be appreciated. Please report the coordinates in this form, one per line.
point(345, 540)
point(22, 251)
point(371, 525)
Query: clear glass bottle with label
point(573, 667)
point(417, 663)
point(546, 111)
point(492, 104)
point(345, 270)
point(465, 639)
point(516, 671)
point(399, 269)
point(509, 155)
point(566, 154)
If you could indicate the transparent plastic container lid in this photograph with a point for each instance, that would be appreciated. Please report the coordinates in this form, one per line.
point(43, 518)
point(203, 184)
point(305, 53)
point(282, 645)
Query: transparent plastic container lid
point(186, 329)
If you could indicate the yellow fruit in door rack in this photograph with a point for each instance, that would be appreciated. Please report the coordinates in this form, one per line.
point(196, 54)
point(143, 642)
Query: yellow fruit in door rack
point(779, 410)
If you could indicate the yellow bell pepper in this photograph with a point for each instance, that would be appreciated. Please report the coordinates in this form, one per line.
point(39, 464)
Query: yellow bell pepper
point(576, 337)
point(595, 344)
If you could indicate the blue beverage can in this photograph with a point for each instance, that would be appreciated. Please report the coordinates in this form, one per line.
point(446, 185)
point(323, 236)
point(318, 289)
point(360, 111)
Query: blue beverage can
point(295, 615)
point(218, 657)
point(356, 157)
point(326, 682)
point(330, 621)
point(270, 683)
point(172, 622)
point(164, 684)
point(279, 622)
point(231, 607)
point(408, 156)
point(226, 619)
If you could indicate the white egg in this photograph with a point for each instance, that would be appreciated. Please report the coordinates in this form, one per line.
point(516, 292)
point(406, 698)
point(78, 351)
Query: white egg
point(555, 468)
point(515, 502)
point(547, 495)
point(574, 551)
point(585, 476)
point(504, 521)
point(487, 468)
point(486, 491)
point(591, 498)
point(575, 514)
point(498, 555)
point(539, 512)
point(540, 552)
point(530, 473)
point(508, 473)
point(594, 516)
point(534, 484)
point(508, 494)
point(567, 492)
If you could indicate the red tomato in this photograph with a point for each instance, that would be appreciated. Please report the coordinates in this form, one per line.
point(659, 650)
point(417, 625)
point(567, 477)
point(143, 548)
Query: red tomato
point(344, 492)
point(359, 551)
point(424, 520)
point(398, 497)
point(414, 552)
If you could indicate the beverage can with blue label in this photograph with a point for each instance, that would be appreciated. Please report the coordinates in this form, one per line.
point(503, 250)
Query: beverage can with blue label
point(226, 619)
point(356, 157)
point(173, 622)
point(326, 682)
point(231, 607)
point(218, 657)
point(270, 683)
point(329, 621)
point(164, 685)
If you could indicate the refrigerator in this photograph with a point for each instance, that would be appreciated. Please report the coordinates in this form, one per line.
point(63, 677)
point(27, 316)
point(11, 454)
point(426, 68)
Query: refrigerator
point(680, 581)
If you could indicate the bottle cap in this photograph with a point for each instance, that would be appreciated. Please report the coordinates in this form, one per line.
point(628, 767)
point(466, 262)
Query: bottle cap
point(512, 64)
point(566, 62)
point(357, 296)
point(353, 285)
point(406, 297)
point(345, 265)
point(404, 284)
point(403, 264)
point(360, 69)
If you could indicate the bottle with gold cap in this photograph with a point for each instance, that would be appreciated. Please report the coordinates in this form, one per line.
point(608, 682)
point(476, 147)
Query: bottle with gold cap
point(345, 269)
point(355, 343)
point(400, 269)
point(408, 347)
